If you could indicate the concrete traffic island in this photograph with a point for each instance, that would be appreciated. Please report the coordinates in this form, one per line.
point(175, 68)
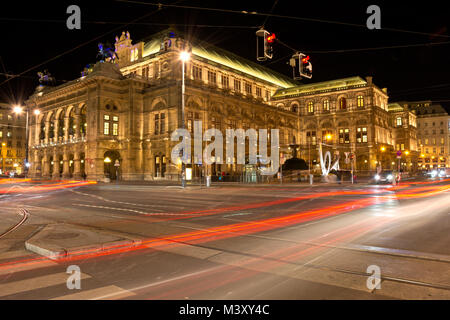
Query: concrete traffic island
point(58, 241)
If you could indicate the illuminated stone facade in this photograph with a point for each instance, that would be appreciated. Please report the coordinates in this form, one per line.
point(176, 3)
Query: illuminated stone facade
point(346, 115)
point(127, 112)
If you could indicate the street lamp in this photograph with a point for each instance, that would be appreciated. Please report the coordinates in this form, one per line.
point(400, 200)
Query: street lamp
point(17, 109)
point(184, 57)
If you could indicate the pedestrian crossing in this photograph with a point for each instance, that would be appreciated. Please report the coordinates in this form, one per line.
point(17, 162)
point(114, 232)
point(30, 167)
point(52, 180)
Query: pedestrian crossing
point(50, 286)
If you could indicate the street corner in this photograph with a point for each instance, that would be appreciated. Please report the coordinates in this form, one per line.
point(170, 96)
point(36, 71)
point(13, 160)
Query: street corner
point(57, 241)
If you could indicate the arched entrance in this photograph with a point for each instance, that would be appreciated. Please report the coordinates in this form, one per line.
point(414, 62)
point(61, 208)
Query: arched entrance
point(109, 160)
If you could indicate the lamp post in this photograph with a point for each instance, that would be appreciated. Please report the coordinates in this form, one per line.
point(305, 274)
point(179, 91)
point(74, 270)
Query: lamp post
point(3, 159)
point(184, 57)
point(18, 110)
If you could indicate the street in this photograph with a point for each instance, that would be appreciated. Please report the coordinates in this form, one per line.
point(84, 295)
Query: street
point(231, 241)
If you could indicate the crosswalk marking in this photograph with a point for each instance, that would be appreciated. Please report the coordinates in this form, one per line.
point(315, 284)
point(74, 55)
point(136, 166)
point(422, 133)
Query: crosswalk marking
point(104, 293)
point(25, 267)
point(35, 283)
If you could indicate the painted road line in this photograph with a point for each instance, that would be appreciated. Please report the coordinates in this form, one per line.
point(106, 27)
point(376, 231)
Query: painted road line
point(36, 283)
point(103, 293)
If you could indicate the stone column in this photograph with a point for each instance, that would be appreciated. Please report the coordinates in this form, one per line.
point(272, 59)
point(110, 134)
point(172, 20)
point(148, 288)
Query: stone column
point(66, 125)
point(47, 130)
point(66, 170)
point(77, 121)
point(35, 165)
point(76, 166)
point(46, 166)
point(56, 165)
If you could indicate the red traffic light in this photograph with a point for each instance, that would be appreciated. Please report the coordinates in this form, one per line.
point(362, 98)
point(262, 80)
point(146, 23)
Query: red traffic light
point(305, 59)
point(271, 38)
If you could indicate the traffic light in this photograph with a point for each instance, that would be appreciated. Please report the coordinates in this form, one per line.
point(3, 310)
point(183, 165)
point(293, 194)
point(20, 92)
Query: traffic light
point(264, 41)
point(301, 66)
point(305, 66)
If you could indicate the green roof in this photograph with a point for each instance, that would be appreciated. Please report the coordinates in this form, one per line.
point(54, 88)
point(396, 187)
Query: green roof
point(325, 86)
point(225, 58)
point(394, 107)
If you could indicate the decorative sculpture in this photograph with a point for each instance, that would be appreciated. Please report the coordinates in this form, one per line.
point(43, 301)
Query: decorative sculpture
point(106, 52)
point(45, 78)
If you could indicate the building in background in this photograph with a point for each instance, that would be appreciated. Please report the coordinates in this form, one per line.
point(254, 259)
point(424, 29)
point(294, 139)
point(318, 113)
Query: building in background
point(12, 139)
point(433, 133)
point(348, 115)
point(404, 132)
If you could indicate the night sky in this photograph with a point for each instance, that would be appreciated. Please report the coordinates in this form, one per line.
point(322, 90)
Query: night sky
point(33, 32)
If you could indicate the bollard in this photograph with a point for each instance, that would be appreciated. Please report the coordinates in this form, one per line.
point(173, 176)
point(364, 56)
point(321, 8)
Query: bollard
point(311, 179)
point(208, 181)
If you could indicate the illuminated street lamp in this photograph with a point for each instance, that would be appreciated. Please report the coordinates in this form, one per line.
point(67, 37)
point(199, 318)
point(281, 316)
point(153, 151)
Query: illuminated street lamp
point(184, 57)
point(17, 109)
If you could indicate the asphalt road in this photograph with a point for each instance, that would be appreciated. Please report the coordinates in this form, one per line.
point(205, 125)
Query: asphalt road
point(235, 241)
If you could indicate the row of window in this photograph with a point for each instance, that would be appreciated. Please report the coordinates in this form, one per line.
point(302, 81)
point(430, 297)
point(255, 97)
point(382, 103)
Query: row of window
point(197, 73)
point(343, 137)
point(432, 132)
point(311, 108)
point(426, 150)
point(434, 124)
point(433, 141)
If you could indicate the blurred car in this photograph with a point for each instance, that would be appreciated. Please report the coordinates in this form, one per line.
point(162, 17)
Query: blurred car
point(384, 177)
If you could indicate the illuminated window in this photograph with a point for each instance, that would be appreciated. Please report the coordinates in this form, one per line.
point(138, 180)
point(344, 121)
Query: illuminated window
point(115, 129)
point(326, 105)
point(442, 141)
point(1, 134)
point(360, 100)
point(344, 136)
point(106, 117)
point(258, 92)
point(361, 135)
point(9, 117)
point(310, 107)
point(106, 128)
point(399, 121)
point(311, 137)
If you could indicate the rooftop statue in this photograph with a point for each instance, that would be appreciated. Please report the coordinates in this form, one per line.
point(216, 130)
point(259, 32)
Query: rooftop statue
point(45, 78)
point(106, 52)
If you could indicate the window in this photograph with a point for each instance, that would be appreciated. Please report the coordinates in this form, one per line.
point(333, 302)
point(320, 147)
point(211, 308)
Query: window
point(326, 105)
point(325, 134)
point(115, 126)
point(361, 135)
point(360, 100)
point(344, 135)
point(310, 107)
point(403, 147)
point(426, 140)
point(106, 128)
point(156, 123)
point(442, 150)
point(267, 95)
point(225, 82)
point(9, 117)
point(190, 122)
point(258, 92)
point(212, 77)
point(197, 72)
point(399, 121)
point(145, 72)
point(311, 137)
point(237, 85)
point(442, 141)
point(248, 88)
point(163, 123)
point(294, 108)
point(342, 103)
point(8, 134)
point(1, 134)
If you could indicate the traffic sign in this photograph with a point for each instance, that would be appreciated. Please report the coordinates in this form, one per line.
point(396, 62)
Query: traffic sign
point(399, 153)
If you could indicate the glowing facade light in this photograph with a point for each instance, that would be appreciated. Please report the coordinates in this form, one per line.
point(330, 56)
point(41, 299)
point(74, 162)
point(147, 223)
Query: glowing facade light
point(107, 160)
point(185, 56)
point(17, 109)
point(383, 149)
point(37, 111)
